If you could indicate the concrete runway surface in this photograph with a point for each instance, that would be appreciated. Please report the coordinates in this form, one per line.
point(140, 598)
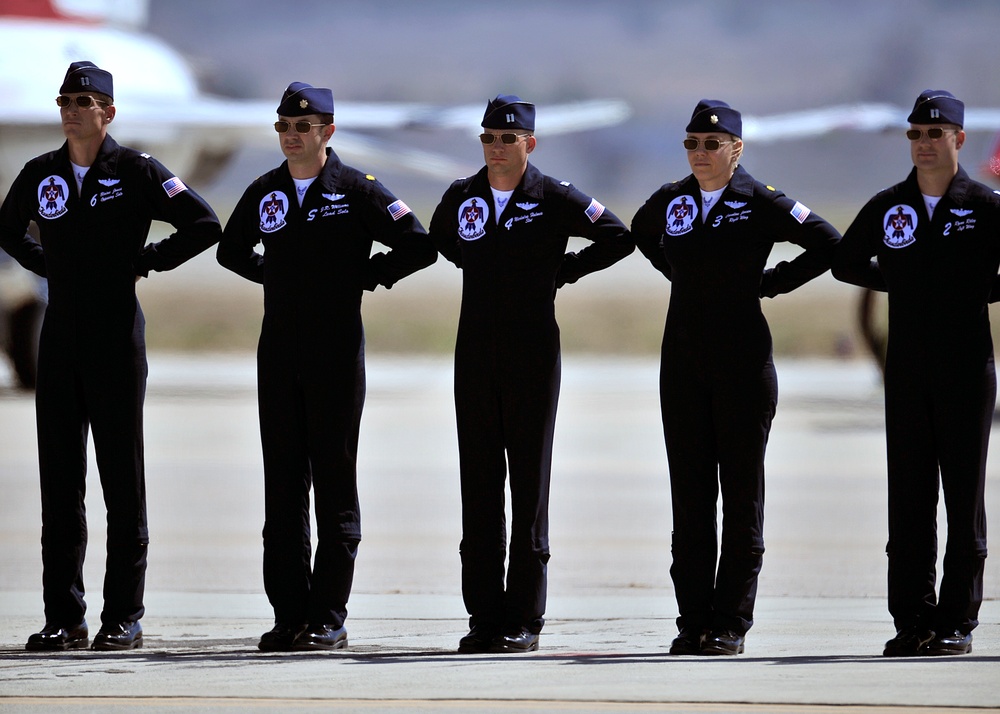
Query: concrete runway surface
point(820, 623)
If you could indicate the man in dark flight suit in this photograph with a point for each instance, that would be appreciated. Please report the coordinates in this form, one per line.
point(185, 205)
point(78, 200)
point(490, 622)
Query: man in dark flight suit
point(93, 202)
point(507, 228)
point(936, 240)
point(317, 220)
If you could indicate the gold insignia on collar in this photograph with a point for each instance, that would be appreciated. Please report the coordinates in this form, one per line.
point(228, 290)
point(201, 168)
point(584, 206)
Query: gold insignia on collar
point(303, 103)
point(714, 119)
point(369, 177)
point(771, 188)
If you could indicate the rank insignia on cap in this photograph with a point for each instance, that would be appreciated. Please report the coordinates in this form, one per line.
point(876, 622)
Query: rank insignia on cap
point(714, 115)
point(508, 111)
point(369, 177)
point(300, 99)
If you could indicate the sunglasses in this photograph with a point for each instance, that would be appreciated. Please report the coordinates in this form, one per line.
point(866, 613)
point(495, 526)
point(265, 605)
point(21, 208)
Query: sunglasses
point(83, 101)
point(505, 138)
point(301, 127)
point(710, 144)
point(934, 133)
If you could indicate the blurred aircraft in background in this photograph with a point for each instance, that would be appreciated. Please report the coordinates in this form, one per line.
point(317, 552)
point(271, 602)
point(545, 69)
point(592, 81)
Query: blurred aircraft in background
point(163, 112)
point(864, 117)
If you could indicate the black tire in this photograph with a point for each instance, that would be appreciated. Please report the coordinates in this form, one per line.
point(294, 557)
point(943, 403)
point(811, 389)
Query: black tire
point(25, 328)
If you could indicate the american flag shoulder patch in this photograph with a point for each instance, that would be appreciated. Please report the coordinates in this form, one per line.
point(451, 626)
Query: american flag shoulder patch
point(800, 212)
point(398, 209)
point(595, 210)
point(173, 186)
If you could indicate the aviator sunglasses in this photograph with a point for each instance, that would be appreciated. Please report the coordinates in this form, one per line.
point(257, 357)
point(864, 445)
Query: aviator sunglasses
point(302, 127)
point(710, 144)
point(505, 138)
point(934, 133)
point(83, 101)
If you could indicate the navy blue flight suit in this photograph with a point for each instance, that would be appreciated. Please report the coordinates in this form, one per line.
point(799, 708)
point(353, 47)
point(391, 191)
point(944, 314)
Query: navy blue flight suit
point(718, 387)
point(940, 385)
point(507, 372)
point(92, 353)
point(317, 261)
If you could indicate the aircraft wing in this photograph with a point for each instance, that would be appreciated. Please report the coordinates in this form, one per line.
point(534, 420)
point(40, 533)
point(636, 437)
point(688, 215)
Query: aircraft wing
point(254, 118)
point(849, 117)
point(221, 126)
point(551, 119)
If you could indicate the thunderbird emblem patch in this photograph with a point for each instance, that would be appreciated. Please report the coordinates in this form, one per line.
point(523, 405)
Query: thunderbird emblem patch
point(472, 217)
point(680, 215)
point(52, 194)
point(899, 223)
point(272, 211)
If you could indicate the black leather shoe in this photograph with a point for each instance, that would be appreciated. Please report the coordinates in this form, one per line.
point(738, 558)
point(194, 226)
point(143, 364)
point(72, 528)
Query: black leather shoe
point(688, 642)
point(321, 637)
point(519, 639)
point(908, 642)
point(955, 642)
point(57, 637)
point(122, 636)
point(722, 642)
point(481, 638)
point(280, 637)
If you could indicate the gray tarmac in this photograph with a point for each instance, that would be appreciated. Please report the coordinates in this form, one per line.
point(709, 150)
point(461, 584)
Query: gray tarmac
point(820, 623)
